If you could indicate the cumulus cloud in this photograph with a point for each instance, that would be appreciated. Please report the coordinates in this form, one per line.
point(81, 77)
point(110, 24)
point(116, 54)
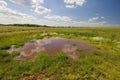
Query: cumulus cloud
point(67, 21)
point(87, 23)
point(42, 10)
point(24, 2)
point(27, 2)
point(73, 23)
point(70, 6)
point(95, 19)
point(102, 17)
point(58, 18)
point(35, 5)
point(3, 3)
point(74, 2)
point(8, 15)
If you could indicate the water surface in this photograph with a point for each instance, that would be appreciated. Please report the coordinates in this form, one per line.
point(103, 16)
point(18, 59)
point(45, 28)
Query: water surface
point(53, 46)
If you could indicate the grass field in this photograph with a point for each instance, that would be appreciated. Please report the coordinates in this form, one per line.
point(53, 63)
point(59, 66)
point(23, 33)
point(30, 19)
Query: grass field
point(100, 65)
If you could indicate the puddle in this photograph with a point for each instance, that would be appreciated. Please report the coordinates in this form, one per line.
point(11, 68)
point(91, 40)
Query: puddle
point(52, 46)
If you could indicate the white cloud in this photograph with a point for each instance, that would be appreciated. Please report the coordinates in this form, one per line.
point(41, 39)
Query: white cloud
point(38, 1)
point(70, 6)
point(73, 23)
point(58, 18)
point(102, 17)
point(24, 2)
point(95, 19)
point(9, 12)
point(35, 5)
point(67, 21)
point(42, 10)
point(9, 16)
point(74, 2)
point(3, 3)
point(28, 2)
point(87, 23)
point(13, 19)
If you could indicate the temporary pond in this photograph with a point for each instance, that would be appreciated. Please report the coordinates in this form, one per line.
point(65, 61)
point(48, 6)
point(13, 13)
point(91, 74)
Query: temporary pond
point(53, 46)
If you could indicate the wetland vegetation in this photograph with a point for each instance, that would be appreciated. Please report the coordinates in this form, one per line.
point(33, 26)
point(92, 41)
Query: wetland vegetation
point(102, 64)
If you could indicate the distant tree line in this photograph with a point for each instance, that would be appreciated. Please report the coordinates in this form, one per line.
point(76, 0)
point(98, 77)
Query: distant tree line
point(36, 25)
point(26, 25)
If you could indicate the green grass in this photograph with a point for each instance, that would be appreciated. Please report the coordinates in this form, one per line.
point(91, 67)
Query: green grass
point(101, 65)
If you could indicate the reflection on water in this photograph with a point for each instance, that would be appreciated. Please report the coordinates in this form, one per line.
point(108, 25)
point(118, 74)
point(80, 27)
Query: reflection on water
point(52, 46)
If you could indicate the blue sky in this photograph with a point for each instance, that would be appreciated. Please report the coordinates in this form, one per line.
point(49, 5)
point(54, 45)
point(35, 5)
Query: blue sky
point(61, 12)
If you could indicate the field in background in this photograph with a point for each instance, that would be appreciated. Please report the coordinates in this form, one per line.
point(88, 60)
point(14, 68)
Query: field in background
point(97, 66)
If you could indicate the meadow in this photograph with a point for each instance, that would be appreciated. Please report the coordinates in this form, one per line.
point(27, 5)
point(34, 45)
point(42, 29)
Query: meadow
point(100, 65)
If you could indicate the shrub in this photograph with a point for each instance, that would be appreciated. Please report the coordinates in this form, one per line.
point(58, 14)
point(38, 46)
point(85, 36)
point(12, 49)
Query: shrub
point(16, 53)
point(62, 56)
point(97, 53)
point(1, 73)
point(4, 53)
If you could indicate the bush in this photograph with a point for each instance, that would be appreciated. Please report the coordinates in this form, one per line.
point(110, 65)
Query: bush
point(4, 53)
point(16, 53)
point(97, 53)
point(62, 56)
point(1, 73)
point(4, 56)
point(5, 47)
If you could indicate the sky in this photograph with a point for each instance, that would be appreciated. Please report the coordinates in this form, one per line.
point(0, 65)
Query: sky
point(61, 12)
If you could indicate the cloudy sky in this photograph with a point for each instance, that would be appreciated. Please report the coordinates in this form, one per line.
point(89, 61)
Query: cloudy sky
point(61, 12)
